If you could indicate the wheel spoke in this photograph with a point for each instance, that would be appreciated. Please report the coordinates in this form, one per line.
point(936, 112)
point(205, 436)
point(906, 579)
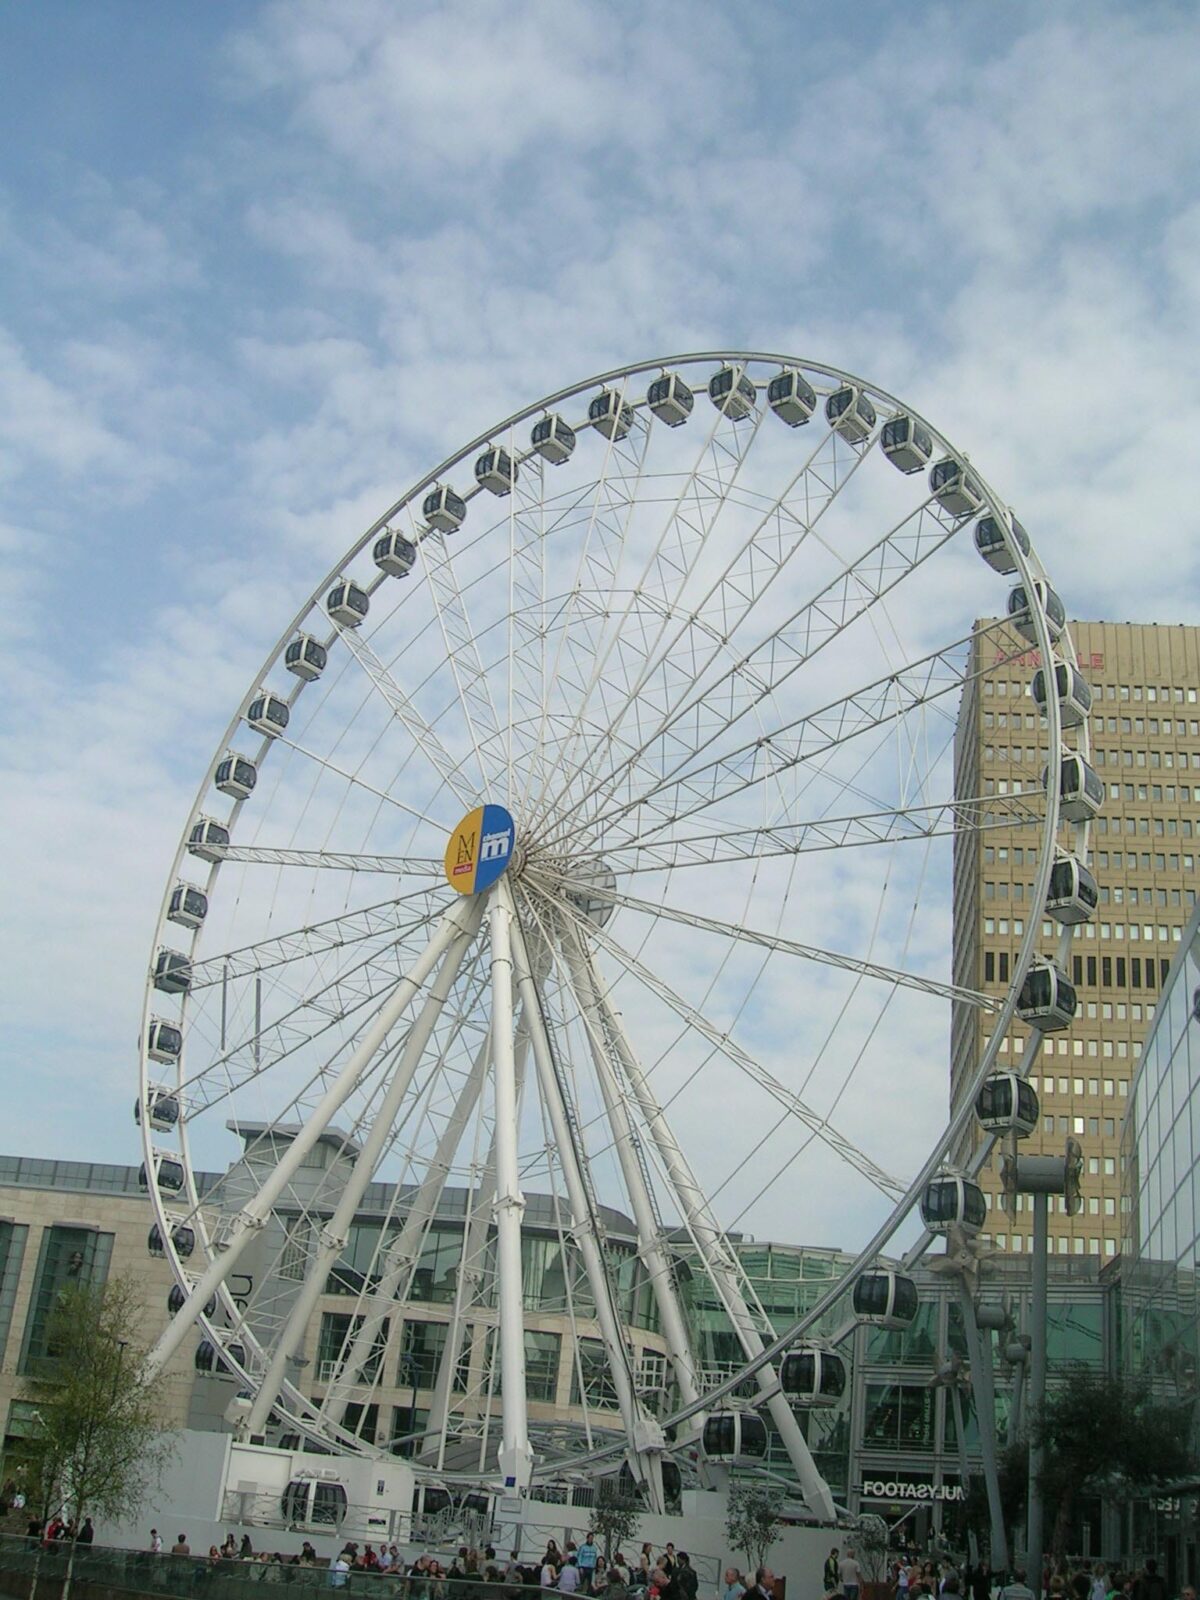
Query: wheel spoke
point(327, 860)
point(720, 1039)
point(791, 947)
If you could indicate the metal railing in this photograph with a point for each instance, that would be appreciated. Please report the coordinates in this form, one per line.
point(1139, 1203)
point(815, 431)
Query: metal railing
point(139, 1572)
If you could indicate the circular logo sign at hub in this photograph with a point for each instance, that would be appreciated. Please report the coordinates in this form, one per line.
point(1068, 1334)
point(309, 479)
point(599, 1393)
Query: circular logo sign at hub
point(480, 848)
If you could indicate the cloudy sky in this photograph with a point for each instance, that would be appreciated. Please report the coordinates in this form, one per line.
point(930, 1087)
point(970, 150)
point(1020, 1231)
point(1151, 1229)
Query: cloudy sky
point(265, 264)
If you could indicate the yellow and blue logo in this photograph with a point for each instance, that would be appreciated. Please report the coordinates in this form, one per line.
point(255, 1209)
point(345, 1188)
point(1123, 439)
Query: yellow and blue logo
point(480, 848)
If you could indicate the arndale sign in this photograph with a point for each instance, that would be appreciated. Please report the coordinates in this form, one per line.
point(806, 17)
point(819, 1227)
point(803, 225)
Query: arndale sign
point(898, 1489)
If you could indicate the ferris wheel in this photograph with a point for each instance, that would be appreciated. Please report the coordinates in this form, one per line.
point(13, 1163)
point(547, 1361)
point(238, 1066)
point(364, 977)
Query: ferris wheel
point(582, 849)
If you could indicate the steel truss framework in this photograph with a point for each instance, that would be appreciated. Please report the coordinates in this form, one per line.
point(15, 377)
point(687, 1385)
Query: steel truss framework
point(699, 665)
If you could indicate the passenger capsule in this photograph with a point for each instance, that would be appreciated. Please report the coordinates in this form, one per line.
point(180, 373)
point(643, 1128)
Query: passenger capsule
point(162, 1109)
point(954, 489)
point(210, 1359)
point(182, 1237)
point(1020, 612)
point(1072, 896)
point(811, 1375)
point(347, 604)
point(496, 470)
point(734, 1436)
point(168, 1174)
point(176, 1300)
point(850, 414)
point(952, 1201)
point(236, 776)
point(733, 393)
point(306, 657)
point(1073, 690)
point(670, 399)
point(1047, 1000)
point(208, 839)
point(315, 1503)
point(188, 906)
point(609, 415)
point(268, 714)
point(791, 397)
point(164, 1041)
point(991, 544)
point(553, 439)
point(1007, 1103)
point(443, 509)
point(886, 1299)
point(1081, 792)
point(172, 972)
point(394, 554)
point(907, 444)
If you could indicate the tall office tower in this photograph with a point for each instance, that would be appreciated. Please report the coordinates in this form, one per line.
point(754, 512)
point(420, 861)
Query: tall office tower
point(1145, 731)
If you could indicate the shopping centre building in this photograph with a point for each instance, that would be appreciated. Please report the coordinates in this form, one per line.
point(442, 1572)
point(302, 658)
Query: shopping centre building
point(890, 1442)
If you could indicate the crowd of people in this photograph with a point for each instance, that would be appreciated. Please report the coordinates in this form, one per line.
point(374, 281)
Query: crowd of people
point(913, 1577)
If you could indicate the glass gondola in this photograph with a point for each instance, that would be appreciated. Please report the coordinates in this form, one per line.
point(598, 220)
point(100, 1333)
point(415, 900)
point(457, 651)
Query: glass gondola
point(162, 1109)
point(172, 972)
point(733, 393)
point(1081, 790)
point(164, 1041)
point(954, 489)
point(208, 839)
point(1073, 691)
point(1007, 1103)
point(1073, 895)
point(850, 414)
point(791, 397)
point(1047, 1000)
point(182, 1237)
point(236, 776)
point(306, 657)
point(952, 1201)
point(886, 1299)
point(907, 444)
point(209, 1358)
point(553, 439)
point(268, 714)
point(347, 604)
point(315, 1502)
point(609, 415)
point(176, 1300)
point(989, 541)
point(443, 509)
point(670, 399)
point(394, 554)
point(1020, 613)
point(495, 470)
point(813, 1376)
point(188, 906)
point(733, 1436)
point(168, 1174)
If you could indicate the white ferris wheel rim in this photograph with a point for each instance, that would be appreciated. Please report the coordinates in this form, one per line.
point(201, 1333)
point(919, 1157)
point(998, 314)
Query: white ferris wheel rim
point(1027, 569)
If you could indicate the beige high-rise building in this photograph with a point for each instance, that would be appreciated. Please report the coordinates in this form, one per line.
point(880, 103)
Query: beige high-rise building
point(1145, 732)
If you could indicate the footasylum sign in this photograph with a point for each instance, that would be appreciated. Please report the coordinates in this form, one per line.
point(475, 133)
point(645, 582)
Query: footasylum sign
point(902, 1489)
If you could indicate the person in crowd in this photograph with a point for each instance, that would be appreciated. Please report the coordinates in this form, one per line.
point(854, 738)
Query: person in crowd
point(181, 1547)
point(214, 1554)
point(1016, 1588)
point(155, 1542)
point(87, 1533)
point(246, 1552)
point(830, 1580)
point(568, 1576)
point(549, 1574)
point(686, 1580)
point(339, 1571)
point(734, 1588)
point(763, 1587)
point(848, 1573)
point(1149, 1584)
point(588, 1555)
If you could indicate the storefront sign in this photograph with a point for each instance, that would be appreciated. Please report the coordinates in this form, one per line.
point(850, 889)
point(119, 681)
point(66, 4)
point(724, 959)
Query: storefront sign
point(902, 1489)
